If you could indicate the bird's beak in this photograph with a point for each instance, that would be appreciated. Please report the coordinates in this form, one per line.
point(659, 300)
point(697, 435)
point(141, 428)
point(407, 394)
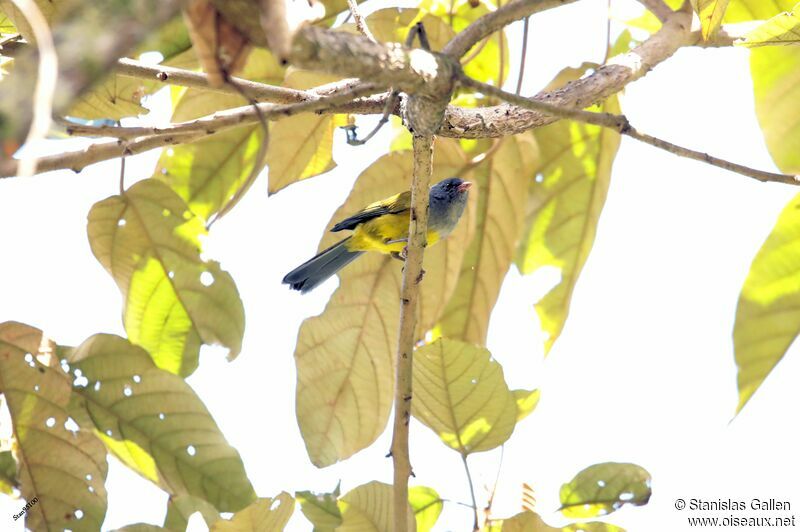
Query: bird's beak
point(463, 187)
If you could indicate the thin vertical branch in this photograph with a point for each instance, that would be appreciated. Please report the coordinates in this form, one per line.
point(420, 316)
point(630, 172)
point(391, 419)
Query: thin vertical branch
point(409, 295)
point(502, 61)
point(471, 492)
point(361, 24)
point(523, 59)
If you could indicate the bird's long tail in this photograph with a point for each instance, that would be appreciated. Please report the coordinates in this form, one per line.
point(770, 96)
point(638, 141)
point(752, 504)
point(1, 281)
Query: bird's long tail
point(317, 270)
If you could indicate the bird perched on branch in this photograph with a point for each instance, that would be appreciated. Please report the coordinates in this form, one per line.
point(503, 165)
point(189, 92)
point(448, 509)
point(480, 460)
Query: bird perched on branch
point(383, 227)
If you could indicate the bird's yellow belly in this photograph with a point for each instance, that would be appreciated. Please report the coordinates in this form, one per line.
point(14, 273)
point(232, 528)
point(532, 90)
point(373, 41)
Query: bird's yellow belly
point(386, 234)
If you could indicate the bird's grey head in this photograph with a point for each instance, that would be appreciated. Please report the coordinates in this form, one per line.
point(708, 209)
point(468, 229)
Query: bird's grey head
point(448, 198)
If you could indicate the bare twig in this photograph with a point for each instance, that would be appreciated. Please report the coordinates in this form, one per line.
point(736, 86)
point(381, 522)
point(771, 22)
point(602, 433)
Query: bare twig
point(409, 295)
point(491, 22)
point(46, 79)
point(361, 24)
point(621, 124)
point(475, 524)
point(487, 512)
point(658, 8)
point(524, 57)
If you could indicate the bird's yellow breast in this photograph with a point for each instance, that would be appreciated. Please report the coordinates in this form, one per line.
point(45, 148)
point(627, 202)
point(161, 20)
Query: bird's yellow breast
point(384, 234)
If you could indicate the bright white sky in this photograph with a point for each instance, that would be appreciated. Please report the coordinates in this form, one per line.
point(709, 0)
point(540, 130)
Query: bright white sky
point(644, 371)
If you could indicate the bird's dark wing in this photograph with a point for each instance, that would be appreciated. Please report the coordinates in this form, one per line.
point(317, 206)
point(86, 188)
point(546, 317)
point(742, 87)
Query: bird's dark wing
point(394, 205)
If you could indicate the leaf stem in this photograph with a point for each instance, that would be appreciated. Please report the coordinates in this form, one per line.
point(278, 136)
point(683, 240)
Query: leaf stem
point(471, 491)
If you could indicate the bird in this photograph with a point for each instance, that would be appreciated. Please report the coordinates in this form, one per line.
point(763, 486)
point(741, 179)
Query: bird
point(383, 227)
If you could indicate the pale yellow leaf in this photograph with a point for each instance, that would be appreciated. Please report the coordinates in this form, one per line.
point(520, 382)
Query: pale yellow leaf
point(370, 508)
point(710, 13)
point(780, 29)
point(531, 522)
point(460, 393)
point(265, 514)
point(527, 400)
point(601, 489)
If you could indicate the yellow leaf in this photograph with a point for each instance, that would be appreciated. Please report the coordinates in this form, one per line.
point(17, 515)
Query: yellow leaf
point(566, 198)
point(527, 400)
point(174, 301)
point(460, 393)
point(780, 29)
point(157, 425)
point(531, 522)
point(502, 181)
point(370, 508)
point(181, 507)
point(264, 514)
point(392, 25)
point(746, 10)
point(768, 313)
point(62, 469)
point(776, 83)
point(710, 13)
point(601, 489)
point(321, 509)
point(344, 356)
point(427, 506)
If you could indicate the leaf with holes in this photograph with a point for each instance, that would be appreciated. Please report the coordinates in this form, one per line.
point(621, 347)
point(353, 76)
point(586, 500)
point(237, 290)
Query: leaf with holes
point(181, 507)
point(174, 301)
point(263, 514)
point(768, 313)
point(344, 356)
point(502, 181)
point(564, 205)
point(426, 505)
point(369, 508)
point(776, 83)
point(710, 13)
point(61, 466)
point(156, 425)
point(601, 489)
point(780, 29)
point(531, 522)
point(460, 393)
point(321, 509)
point(209, 173)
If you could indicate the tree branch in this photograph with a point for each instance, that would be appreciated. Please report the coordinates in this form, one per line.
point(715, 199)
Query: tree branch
point(361, 24)
point(621, 124)
point(658, 8)
point(491, 22)
point(409, 295)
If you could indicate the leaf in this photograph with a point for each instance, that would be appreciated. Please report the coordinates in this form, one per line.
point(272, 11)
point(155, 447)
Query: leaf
point(209, 172)
point(345, 356)
point(601, 489)
point(174, 301)
point(710, 13)
point(61, 469)
point(564, 206)
point(321, 509)
point(526, 400)
point(502, 181)
point(181, 507)
point(768, 312)
point(262, 515)
point(427, 506)
point(141, 527)
point(156, 425)
point(460, 393)
point(746, 10)
point(369, 508)
point(531, 522)
point(8, 472)
point(52, 11)
point(392, 24)
point(776, 83)
point(780, 29)
point(483, 61)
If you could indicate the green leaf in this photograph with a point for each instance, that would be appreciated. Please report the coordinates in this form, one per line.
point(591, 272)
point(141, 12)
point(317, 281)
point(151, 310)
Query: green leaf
point(61, 467)
point(174, 301)
point(746, 10)
point(321, 509)
point(369, 508)
point(502, 181)
point(780, 29)
point(601, 489)
point(8, 472)
point(208, 173)
point(427, 506)
point(776, 83)
point(483, 61)
point(768, 313)
point(181, 507)
point(264, 514)
point(344, 356)
point(710, 13)
point(460, 393)
point(156, 425)
point(564, 206)
point(526, 400)
point(531, 522)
